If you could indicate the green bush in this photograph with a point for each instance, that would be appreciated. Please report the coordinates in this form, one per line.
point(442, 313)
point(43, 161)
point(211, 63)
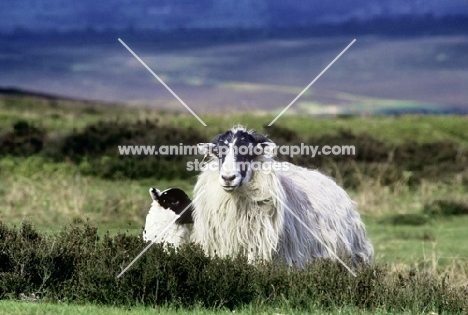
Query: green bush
point(437, 161)
point(95, 151)
point(414, 219)
point(446, 208)
point(78, 265)
point(23, 140)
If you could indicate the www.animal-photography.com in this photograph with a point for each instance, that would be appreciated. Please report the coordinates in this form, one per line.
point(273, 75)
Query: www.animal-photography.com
point(202, 157)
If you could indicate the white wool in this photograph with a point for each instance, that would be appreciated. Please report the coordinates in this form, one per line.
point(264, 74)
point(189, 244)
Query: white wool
point(253, 222)
point(228, 223)
point(159, 219)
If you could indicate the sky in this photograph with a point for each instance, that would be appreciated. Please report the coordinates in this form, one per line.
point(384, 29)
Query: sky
point(62, 15)
point(409, 68)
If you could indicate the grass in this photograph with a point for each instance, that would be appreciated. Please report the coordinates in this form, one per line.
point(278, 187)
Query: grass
point(27, 308)
point(60, 195)
point(58, 116)
point(435, 245)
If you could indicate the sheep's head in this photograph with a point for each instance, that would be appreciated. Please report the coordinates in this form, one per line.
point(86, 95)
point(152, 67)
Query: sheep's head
point(165, 219)
point(235, 150)
point(175, 200)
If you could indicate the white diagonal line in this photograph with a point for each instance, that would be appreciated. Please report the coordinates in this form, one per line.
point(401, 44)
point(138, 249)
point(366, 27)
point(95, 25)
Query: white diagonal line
point(159, 235)
point(310, 84)
point(162, 82)
point(312, 232)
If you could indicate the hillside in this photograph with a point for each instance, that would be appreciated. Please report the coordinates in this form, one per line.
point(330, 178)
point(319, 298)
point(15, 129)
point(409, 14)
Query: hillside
point(72, 210)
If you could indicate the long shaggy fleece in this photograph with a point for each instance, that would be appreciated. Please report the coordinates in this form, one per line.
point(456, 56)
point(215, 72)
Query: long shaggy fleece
point(253, 222)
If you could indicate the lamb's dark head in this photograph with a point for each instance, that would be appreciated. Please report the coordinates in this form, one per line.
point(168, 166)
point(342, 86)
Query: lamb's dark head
point(236, 149)
point(175, 200)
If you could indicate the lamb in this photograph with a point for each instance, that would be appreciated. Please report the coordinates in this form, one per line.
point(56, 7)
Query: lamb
point(270, 210)
point(167, 207)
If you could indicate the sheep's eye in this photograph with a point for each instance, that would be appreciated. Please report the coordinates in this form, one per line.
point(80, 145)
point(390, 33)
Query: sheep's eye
point(174, 202)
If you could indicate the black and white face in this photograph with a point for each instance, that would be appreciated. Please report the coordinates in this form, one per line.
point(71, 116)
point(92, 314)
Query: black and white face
point(236, 149)
point(176, 200)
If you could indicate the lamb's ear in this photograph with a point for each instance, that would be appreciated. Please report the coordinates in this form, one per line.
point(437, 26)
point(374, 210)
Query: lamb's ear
point(154, 193)
point(267, 146)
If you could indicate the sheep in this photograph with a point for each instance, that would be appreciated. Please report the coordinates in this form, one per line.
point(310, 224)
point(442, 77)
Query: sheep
point(166, 220)
point(286, 213)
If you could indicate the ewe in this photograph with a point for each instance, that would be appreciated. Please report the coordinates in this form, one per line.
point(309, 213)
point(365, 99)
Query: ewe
point(247, 202)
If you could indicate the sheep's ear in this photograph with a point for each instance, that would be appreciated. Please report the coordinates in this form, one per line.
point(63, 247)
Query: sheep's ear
point(207, 149)
point(154, 193)
point(211, 148)
point(268, 147)
point(216, 139)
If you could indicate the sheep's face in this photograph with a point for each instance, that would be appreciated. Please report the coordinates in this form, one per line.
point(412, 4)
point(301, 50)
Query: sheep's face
point(175, 200)
point(236, 149)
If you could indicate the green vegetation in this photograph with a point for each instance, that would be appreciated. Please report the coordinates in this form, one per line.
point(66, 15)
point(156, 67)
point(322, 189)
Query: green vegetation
point(20, 308)
point(62, 117)
point(77, 265)
point(62, 176)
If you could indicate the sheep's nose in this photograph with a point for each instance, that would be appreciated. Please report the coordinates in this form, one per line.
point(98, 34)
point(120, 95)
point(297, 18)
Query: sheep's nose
point(228, 178)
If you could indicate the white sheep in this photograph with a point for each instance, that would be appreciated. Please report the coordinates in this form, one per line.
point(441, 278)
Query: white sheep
point(285, 213)
point(165, 222)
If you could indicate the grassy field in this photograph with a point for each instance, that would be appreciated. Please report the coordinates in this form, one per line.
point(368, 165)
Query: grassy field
point(20, 308)
point(61, 117)
point(56, 185)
